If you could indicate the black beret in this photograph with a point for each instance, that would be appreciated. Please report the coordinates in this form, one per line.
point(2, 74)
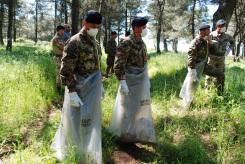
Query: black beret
point(139, 21)
point(220, 22)
point(59, 27)
point(204, 26)
point(113, 33)
point(93, 16)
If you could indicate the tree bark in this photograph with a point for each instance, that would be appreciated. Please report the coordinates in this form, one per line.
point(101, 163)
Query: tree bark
point(1, 23)
point(10, 26)
point(224, 11)
point(75, 16)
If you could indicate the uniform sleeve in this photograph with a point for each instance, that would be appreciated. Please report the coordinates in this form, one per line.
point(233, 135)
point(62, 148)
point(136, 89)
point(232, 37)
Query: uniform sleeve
point(192, 54)
point(59, 45)
point(68, 65)
point(121, 57)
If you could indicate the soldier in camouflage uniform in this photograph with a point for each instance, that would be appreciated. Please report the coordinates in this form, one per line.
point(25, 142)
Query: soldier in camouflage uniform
point(197, 64)
point(58, 46)
point(80, 127)
point(132, 120)
point(223, 45)
point(111, 47)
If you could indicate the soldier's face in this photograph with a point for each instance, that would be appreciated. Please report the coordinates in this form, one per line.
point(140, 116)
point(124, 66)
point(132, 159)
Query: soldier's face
point(207, 32)
point(89, 26)
point(138, 29)
point(114, 36)
point(219, 28)
point(61, 32)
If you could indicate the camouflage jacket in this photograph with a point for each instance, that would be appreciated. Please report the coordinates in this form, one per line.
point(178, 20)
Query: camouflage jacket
point(58, 44)
point(223, 40)
point(81, 56)
point(111, 47)
point(130, 52)
point(197, 52)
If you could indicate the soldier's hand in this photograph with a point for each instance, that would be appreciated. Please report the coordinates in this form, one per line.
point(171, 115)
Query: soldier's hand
point(124, 87)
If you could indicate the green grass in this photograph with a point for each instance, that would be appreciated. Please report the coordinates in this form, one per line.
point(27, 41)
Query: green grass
point(211, 131)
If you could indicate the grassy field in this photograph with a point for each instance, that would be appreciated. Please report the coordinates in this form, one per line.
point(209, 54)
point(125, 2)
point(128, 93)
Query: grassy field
point(211, 131)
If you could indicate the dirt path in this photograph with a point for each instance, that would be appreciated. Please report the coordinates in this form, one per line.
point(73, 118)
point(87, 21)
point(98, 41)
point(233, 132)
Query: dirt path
point(132, 154)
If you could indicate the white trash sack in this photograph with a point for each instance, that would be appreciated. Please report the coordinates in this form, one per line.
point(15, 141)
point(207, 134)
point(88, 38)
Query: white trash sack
point(132, 117)
point(80, 128)
point(190, 86)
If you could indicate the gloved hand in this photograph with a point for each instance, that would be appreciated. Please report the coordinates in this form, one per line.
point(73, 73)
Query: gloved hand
point(75, 100)
point(193, 73)
point(124, 87)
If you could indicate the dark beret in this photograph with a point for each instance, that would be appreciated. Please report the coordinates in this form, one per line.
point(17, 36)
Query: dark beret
point(59, 27)
point(139, 21)
point(220, 22)
point(204, 26)
point(93, 16)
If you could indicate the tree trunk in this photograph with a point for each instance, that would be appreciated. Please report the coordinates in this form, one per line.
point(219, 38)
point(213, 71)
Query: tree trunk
point(55, 15)
point(193, 20)
point(75, 16)
point(159, 29)
point(118, 31)
point(10, 26)
point(126, 19)
point(14, 21)
point(224, 11)
point(36, 21)
point(66, 15)
point(165, 43)
point(238, 47)
point(1, 23)
point(175, 45)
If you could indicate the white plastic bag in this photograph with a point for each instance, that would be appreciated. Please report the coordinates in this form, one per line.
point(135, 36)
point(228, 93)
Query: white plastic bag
point(132, 117)
point(190, 85)
point(80, 128)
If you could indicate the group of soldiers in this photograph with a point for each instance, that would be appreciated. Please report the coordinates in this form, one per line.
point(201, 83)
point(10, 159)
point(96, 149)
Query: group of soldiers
point(79, 71)
point(63, 33)
point(206, 55)
point(78, 68)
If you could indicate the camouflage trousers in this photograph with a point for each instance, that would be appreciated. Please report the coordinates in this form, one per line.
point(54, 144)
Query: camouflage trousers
point(110, 64)
point(57, 60)
point(219, 63)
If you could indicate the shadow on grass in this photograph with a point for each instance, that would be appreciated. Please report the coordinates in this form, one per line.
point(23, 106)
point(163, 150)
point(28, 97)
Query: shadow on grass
point(190, 148)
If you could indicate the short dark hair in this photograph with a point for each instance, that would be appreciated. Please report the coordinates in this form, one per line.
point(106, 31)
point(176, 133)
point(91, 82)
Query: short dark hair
point(60, 27)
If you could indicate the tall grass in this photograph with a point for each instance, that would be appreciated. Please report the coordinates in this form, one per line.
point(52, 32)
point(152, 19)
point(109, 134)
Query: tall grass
point(211, 131)
point(27, 87)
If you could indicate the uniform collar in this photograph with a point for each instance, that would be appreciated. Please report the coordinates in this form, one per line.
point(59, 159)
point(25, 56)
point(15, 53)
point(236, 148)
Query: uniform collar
point(133, 37)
